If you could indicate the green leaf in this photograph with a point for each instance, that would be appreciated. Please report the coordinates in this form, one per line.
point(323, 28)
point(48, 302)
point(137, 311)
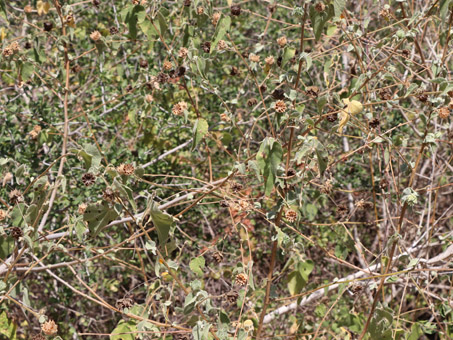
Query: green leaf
point(125, 192)
point(444, 5)
point(319, 19)
point(124, 331)
point(3, 12)
point(305, 268)
point(7, 327)
point(98, 216)
point(268, 159)
point(199, 131)
point(162, 221)
point(2, 286)
point(197, 264)
point(223, 26)
point(287, 55)
point(339, 6)
point(322, 162)
point(201, 330)
point(91, 155)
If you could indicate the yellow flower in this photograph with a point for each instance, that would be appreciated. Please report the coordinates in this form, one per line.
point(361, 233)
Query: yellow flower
point(353, 107)
point(42, 7)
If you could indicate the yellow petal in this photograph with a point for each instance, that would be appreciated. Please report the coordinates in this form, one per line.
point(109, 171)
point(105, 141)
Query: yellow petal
point(2, 34)
point(353, 107)
point(42, 7)
point(344, 118)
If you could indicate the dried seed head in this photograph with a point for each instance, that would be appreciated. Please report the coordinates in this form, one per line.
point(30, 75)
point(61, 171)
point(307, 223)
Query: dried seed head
point(28, 9)
point(88, 179)
point(263, 88)
point(327, 187)
point(282, 41)
point(234, 71)
point(362, 204)
point(384, 183)
point(236, 187)
point(280, 106)
point(149, 98)
point(252, 102)
point(183, 52)
point(291, 172)
point(269, 60)
point(291, 215)
point(278, 94)
point(312, 91)
point(215, 18)
point(126, 169)
point(206, 46)
point(16, 233)
point(162, 78)
point(95, 36)
point(136, 2)
point(225, 118)
point(108, 195)
point(232, 296)
point(385, 94)
point(143, 63)
point(241, 279)
point(218, 256)
point(222, 45)
point(3, 215)
point(200, 10)
point(15, 197)
point(444, 112)
point(342, 210)
point(179, 108)
point(385, 13)
point(320, 7)
point(96, 3)
point(423, 97)
point(332, 117)
point(49, 327)
point(7, 178)
point(35, 132)
point(187, 3)
point(76, 68)
point(255, 58)
point(374, 123)
point(48, 25)
point(235, 10)
point(82, 208)
point(167, 65)
point(406, 53)
point(126, 302)
point(113, 30)
point(38, 337)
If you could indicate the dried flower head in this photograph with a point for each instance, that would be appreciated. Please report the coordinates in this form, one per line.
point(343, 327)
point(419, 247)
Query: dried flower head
point(70, 21)
point(167, 65)
point(7, 178)
point(236, 187)
point(218, 256)
point(82, 208)
point(126, 302)
point(241, 279)
point(385, 13)
point(291, 172)
point(16, 233)
point(255, 58)
point(136, 2)
point(7, 52)
point(374, 123)
point(126, 169)
point(235, 10)
point(282, 41)
point(269, 60)
point(35, 132)
point(385, 94)
point(3, 215)
point(215, 18)
point(280, 106)
point(291, 215)
point(183, 52)
point(88, 179)
point(232, 296)
point(28, 9)
point(444, 112)
point(38, 337)
point(96, 3)
point(423, 97)
point(149, 98)
point(113, 30)
point(312, 91)
point(234, 71)
point(187, 3)
point(225, 118)
point(222, 45)
point(179, 108)
point(252, 102)
point(206, 46)
point(327, 187)
point(15, 197)
point(200, 10)
point(48, 25)
point(320, 7)
point(49, 327)
point(143, 63)
point(108, 195)
point(162, 78)
point(95, 36)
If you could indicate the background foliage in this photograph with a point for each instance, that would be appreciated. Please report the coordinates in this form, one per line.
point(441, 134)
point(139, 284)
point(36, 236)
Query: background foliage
point(218, 170)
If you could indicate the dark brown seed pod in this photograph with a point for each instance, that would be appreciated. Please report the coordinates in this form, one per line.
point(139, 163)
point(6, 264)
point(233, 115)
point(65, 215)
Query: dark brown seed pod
point(206, 46)
point(16, 233)
point(235, 10)
point(232, 296)
point(234, 71)
point(278, 94)
point(143, 63)
point(332, 117)
point(88, 179)
point(48, 26)
point(96, 3)
point(374, 123)
point(252, 102)
point(113, 30)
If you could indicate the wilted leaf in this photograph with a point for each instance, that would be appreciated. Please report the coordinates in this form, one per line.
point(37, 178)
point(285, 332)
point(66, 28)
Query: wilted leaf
point(199, 131)
point(42, 7)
